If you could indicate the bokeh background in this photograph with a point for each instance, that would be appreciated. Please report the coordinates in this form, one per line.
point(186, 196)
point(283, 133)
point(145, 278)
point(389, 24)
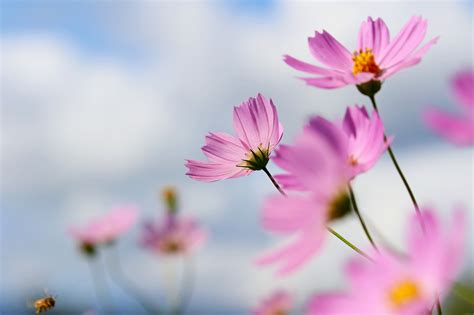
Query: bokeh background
point(102, 102)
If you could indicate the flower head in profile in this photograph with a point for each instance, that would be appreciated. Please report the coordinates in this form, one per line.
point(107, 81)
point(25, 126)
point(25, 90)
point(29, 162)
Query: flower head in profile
point(317, 167)
point(105, 229)
point(457, 128)
point(376, 57)
point(365, 138)
point(394, 284)
point(279, 303)
point(172, 235)
point(258, 133)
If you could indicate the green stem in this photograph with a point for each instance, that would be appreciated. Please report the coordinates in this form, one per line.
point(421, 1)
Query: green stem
point(400, 172)
point(274, 182)
point(345, 241)
point(356, 210)
point(339, 236)
point(187, 285)
point(118, 276)
point(100, 286)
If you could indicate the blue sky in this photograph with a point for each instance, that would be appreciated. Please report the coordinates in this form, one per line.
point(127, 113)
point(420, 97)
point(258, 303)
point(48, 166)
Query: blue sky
point(102, 103)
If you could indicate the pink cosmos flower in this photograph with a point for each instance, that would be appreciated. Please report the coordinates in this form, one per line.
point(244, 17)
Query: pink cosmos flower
point(392, 284)
point(258, 133)
point(317, 165)
point(279, 303)
point(365, 139)
point(172, 235)
point(107, 228)
point(376, 57)
point(459, 129)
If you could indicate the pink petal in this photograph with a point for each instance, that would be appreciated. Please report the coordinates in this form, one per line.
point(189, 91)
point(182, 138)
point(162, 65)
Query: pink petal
point(329, 51)
point(306, 67)
point(406, 41)
point(457, 129)
point(210, 172)
point(325, 82)
point(373, 35)
point(463, 86)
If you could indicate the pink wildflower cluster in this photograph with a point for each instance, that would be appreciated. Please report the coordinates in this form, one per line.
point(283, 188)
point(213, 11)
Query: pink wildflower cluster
point(319, 166)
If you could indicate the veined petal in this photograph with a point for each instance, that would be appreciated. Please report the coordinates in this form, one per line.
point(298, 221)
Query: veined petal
point(374, 35)
point(404, 43)
point(329, 51)
point(256, 123)
point(306, 67)
point(210, 172)
point(223, 148)
point(325, 82)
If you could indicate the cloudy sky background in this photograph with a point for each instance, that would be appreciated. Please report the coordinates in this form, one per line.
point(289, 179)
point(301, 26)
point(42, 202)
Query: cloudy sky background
point(102, 102)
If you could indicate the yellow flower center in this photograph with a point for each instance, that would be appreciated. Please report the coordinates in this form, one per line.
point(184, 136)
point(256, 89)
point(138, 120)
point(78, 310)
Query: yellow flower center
point(364, 61)
point(404, 293)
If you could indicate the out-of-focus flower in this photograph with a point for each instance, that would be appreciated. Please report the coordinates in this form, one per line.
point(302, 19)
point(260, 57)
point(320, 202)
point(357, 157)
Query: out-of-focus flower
point(258, 133)
point(105, 229)
point(392, 284)
point(279, 303)
point(365, 138)
point(459, 129)
point(172, 235)
point(316, 164)
point(376, 58)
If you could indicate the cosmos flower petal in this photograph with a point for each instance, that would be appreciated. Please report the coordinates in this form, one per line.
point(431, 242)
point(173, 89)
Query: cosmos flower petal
point(306, 67)
point(258, 133)
point(463, 87)
point(325, 82)
point(455, 128)
point(376, 57)
point(406, 41)
point(292, 256)
point(211, 172)
point(329, 51)
point(278, 217)
point(374, 35)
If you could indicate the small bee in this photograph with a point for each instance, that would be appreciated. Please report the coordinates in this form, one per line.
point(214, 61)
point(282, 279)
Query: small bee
point(44, 304)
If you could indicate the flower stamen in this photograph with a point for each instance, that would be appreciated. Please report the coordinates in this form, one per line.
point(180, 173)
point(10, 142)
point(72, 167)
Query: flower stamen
point(404, 293)
point(364, 61)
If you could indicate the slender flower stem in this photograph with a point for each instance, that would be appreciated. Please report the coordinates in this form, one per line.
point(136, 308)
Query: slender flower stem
point(355, 248)
point(339, 236)
point(118, 276)
point(274, 182)
point(356, 210)
point(400, 172)
point(187, 286)
point(100, 286)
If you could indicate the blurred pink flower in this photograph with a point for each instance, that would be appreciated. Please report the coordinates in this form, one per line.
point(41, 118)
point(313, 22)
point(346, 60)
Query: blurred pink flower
point(107, 228)
point(279, 303)
point(376, 58)
point(459, 129)
point(365, 138)
point(316, 164)
point(393, 284)
point(258, 133)
point(172, 235)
